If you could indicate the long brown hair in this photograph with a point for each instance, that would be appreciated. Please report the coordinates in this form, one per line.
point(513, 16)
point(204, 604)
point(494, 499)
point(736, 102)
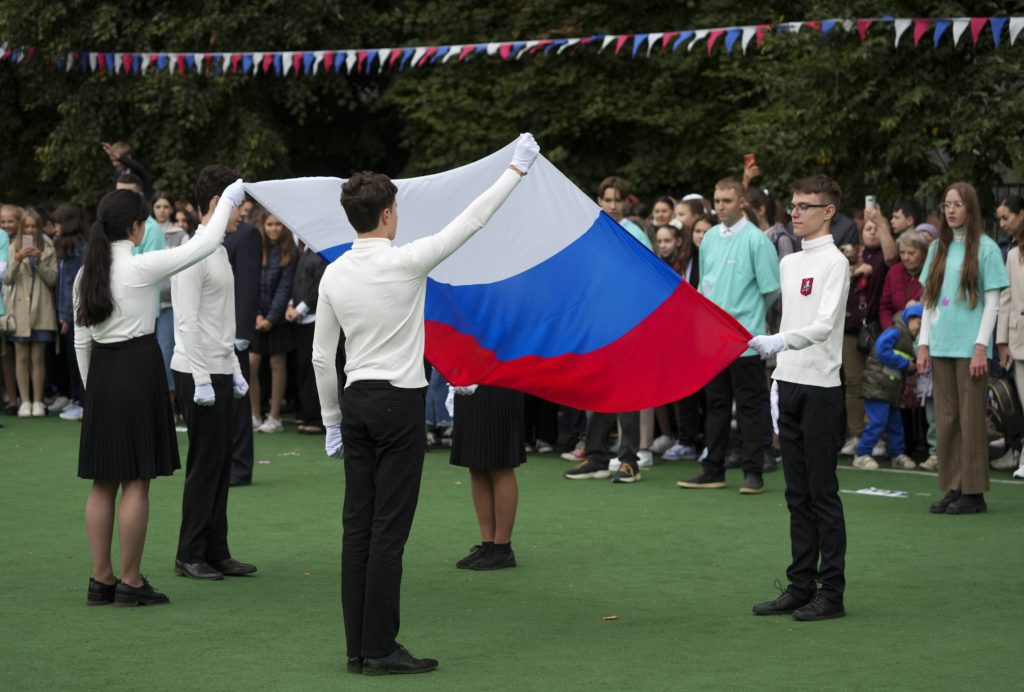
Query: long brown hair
point(285, 242)
point(37, 237)
point(972, 239)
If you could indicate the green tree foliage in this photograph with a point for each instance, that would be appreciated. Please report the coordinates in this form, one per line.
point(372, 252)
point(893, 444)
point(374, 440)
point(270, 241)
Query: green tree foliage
point(882, 120)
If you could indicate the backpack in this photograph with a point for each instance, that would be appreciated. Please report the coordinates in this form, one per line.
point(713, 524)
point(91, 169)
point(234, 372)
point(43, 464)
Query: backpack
point(1005, 419)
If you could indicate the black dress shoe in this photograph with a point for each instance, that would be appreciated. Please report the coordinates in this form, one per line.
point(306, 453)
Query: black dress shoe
point(232, 567)
point(125, 595)
point(196, 570)
point(398, 662)
point(100, 593)
point(495, 557)
point(355, 664)
point(967, 504)
point(786, 603)
point(943, 504)
point(820, 608)
point(475, 553)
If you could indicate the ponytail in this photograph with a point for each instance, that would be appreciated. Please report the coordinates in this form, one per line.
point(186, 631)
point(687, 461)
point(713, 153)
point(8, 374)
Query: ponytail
point(117, 213)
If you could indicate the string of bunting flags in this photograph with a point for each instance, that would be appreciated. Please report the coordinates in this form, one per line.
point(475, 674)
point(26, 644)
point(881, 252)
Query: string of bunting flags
point(370, 60)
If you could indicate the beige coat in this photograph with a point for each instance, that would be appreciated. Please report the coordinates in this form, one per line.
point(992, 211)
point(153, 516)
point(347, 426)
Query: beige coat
point(32, 303)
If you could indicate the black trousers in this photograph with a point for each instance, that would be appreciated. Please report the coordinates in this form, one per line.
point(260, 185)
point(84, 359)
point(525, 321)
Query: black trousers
point(241, 431)
point(204, 503)
point(810, 430)
point(382, 429)
point(305, 389)
point(599, 427)
point(744, 381)
point(540, 419)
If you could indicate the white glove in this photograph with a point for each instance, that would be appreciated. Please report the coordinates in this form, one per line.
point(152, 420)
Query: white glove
point(333, 446)
point(449, 401)
point(239, 384)
point(773, 398)
point(234, 193)
point(204, 395)
point(241, 344)
point(768, 344)
point(526, 151)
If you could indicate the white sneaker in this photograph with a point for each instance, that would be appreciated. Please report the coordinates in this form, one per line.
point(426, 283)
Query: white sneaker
point(1019, 473)
point(1007, 462)
point(881, 449)
point(662, 444)
point(865, 462)
point(576, 454)
point(270, 425)
point(850, 447)
point(645, 459)
point(59, 404)
point(38, 409)
point(679, 451)
point(544, 448)
point(25, 410)
point(72, 412)
point(930, 464)
point(902, 461)
point(256, 422)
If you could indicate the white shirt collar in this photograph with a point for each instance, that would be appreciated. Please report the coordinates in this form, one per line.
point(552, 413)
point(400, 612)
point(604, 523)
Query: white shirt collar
point(727, 231)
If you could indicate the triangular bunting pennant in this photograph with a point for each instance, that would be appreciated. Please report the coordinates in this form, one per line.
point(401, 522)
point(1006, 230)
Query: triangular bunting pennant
point(668, 38)
point(93, 61)
point(427, 55)
point(318, 59)
point(997, 28)
point(652, 40)
point(360, 60)
point(101, 63)
point(271, 60)
point(620, 42)
point(307, 62)
point(450, 52)
point(638, 40)
point(606, 41)
point(712, 38)
point(568, 44)
point(748, 35)
point(977, 24)
point(862, 27)
point(901, 28)
point(1016, 25)
point(418, 55)
point(382, 58)
point(340, 57)
point(730, 39)
point(920, 27)
point(246, 63)
point(329, 61)
point(350, 61)
point(828, 25)
point(940, 28)
point(761, 31)
point(959, 27)
point(257, 61)
point(466, 50)
point(697, 37)
point(683, 37)
point(118, 64)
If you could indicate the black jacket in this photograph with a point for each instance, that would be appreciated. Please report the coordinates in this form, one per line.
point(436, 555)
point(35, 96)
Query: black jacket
point(308, 273)
point(245, 252)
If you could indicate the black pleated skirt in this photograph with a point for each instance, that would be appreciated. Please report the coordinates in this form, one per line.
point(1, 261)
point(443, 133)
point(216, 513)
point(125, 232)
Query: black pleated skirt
point(128, 425)
point(489, 431)
point(280, 339)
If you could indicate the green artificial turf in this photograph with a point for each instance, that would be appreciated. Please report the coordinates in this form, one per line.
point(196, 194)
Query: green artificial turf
point(934, 602)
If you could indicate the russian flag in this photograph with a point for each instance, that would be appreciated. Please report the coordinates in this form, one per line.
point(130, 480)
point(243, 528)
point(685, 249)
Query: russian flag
point(552, 297)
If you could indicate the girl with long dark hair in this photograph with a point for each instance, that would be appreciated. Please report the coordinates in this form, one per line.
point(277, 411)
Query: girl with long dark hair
point(128, 433)
point(964, 274)
point(70, 223)
point(1010, 330)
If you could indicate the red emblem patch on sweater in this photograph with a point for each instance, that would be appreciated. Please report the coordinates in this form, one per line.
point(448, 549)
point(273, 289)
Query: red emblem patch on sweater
point(806, 285)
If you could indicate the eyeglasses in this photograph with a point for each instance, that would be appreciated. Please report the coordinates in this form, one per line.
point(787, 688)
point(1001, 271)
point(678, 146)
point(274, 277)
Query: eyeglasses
point(802, 208)
point(952, 206)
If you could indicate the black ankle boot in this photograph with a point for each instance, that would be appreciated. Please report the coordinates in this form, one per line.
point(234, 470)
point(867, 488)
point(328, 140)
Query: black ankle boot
point(941, 506)
point(967, 504)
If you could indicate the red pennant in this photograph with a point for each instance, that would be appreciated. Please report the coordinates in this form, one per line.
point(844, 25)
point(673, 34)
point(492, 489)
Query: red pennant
point(181, 64)
point(153, 57)
point(235, 57)
point(814, 25)
point(396, 54)
point(101, 62)
point(360, 60)
point(466, 50)
point(621, 41)
point(920, 27)
point(504, 49)
point(126, 63)
point(297, 63)
point(761, 31)
point(328, 61)
point(541, 46)
point(268, 62)
point(667, 39)
point(431, 52)
point(862, 27)
point(977, 24)
point(586, 40)
point(713, 36)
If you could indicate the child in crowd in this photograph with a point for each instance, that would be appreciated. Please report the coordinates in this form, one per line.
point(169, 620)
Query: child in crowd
point(70, 224)
point(885, 374)
point(162, 210)
point(274, 335)
point(32, 275)
point(301, 313)
point(10, 219)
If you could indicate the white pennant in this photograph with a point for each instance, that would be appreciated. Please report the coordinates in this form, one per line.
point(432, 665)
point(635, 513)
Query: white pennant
point(67, 64)
point(257, 62)
point(384, 54)
point(568, 44)
point(795, 27)
point(172, 62)
point(653, 39)
point(697, 36)
point(225, 62)
point(92, 62)
point(117, 63)
point(901, 27)
point(1016, 24)
point(959, 27)
point(199, 57)
point(350, 60)
point(318, 59)
point(526, 49)
point(848, 25)
point(749, 32)
point(145, 62)
point(607, 40)
point(452, 52)
point(492, 48)
point(417, 56)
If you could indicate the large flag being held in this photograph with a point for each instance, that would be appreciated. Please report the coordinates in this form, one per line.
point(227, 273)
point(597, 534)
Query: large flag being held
point(552, 297)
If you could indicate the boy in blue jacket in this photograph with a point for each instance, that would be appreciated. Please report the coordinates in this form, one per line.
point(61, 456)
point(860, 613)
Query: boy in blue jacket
point(885, 374)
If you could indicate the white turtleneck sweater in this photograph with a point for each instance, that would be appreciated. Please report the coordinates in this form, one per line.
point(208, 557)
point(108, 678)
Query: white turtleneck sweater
point(815, 283)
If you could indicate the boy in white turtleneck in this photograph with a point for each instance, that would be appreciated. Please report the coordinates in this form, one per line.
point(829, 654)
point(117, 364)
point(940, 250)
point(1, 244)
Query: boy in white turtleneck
point(807, 404)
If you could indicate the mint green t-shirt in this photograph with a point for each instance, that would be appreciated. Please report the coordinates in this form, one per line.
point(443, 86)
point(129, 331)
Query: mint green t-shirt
point(737, 272)
point(954, 325)
point(637, 233)
point(152, 239)
point(4, 243)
